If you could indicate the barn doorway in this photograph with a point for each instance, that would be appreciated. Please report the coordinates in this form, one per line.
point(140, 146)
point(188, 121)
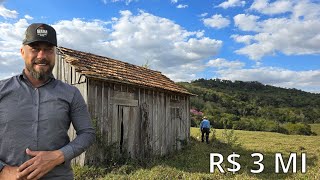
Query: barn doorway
point(127, 119)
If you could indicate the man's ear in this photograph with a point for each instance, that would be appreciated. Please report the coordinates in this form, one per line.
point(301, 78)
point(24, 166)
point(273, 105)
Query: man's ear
point(22, 51)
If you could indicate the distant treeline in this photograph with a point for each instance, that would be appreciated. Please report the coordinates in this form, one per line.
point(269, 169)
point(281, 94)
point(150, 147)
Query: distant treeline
point(253, 106)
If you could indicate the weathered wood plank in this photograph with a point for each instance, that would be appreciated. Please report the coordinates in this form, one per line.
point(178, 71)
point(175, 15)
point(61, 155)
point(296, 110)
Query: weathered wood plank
point(157, 122)
point(161, 123)
point(99, 107)
point(123, 95)
point(126, 124)
point(115, 123)
point(151, 118)
point(154, 125)
point(109, 115)
point(132, 120)
point(137, 134)
point(125, 102)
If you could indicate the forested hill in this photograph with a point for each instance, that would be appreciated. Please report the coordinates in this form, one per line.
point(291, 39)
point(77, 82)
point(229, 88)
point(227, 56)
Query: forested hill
point(246, 105)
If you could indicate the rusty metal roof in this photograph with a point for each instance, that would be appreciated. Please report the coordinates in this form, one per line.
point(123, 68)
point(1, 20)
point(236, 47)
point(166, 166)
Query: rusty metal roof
point(106, 68)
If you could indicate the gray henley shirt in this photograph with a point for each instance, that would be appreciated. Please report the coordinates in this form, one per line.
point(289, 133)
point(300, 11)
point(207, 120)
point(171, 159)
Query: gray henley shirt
point(39, 119)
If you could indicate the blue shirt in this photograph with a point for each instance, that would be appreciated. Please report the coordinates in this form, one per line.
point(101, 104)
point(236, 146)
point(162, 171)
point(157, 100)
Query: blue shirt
point(205, 124)
point(39, 119)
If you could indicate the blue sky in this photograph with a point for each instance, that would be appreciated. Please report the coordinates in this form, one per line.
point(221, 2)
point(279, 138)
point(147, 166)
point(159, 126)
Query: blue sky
point(276, 42)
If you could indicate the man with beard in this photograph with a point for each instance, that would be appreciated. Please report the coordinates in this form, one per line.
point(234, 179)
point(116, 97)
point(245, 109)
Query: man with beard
point(35, 114)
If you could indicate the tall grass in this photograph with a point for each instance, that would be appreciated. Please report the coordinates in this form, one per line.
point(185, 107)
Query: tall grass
point(193, 162)
point(315, 128)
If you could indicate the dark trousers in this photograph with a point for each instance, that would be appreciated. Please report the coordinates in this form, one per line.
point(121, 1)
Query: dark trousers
point(205, 131)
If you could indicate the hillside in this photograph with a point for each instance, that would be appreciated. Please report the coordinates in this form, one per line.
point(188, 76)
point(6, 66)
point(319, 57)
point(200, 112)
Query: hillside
point(253, 106)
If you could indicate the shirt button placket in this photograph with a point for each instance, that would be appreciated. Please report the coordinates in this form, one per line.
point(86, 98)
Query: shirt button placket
point(37, 108)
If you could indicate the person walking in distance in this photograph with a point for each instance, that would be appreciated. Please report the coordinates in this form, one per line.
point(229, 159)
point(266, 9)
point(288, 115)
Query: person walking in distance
point(205, 129)
point(36, 111)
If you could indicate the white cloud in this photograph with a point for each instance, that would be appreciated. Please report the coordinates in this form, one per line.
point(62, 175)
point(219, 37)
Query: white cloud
point(182, 6)
point(298, 34)
point(196, 49)
point(85, 33)
point(12, 35)
point(174, 1)
point(148, 37)
point(187, 71)
point(6, 13)
point(291, 37)
point(246, 22)
point(216, 21)
point(237, 70)
point(199, 34)
point(140, 38)
point(232, 3)
point(203, 15)
point(10, 43)
point(246, 39)
point(114, 1)
point(306, 10)
point(257, 51)
point(9, 62)
point(277, 7)
point(305, 80)
point(221, 63)
point(28, 17)
point(131, 38)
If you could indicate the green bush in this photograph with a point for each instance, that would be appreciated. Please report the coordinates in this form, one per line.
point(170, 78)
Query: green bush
point(230, 138)
point(271, 126)
point(261, 124)
point(297, 128)
point(245, 124)
point(193, 122)
point(88, 173)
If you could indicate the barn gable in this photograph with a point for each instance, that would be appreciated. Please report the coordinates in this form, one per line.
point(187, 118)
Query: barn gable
point(138, 111)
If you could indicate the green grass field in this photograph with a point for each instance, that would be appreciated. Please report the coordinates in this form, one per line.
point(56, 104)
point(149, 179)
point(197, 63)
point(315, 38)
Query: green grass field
point(316, 128)
point(193, 162)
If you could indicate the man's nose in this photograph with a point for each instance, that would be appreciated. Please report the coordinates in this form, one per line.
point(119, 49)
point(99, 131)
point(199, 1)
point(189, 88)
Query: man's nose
point(42, 54)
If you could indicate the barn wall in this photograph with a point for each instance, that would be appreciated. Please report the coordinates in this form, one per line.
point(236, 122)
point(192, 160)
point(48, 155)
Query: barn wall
point(154, 123)
point(133, 121)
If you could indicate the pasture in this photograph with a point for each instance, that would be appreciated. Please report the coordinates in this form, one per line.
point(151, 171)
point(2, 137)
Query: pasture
point(193, 162)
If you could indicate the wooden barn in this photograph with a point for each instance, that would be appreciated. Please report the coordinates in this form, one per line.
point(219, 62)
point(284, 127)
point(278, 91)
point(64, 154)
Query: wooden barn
point(136, 111)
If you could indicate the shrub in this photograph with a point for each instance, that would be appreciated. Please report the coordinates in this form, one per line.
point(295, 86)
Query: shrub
point(298, 128)
point(230, 138)
point(245, 124)
point(193, 122)
point(271, 126)
point(88, 173)
point(124, 169)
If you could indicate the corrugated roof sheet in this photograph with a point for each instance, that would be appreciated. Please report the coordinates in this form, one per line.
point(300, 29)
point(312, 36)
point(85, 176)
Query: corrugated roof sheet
point(106, 68)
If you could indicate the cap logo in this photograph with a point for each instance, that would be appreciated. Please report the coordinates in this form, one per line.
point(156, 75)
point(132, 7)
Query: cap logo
point(42, 32)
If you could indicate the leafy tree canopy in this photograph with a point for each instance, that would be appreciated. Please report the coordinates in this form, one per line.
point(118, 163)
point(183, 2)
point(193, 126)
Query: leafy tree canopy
point(253, 105)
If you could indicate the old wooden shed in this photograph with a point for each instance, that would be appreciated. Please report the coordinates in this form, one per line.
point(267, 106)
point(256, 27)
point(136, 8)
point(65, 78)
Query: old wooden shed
point(137, 111)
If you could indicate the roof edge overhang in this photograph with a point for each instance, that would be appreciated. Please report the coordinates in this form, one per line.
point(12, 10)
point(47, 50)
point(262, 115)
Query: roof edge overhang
point(73, 63)
point(135, 84)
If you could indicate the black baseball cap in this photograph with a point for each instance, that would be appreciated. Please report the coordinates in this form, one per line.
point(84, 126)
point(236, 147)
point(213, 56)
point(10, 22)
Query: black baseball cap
point(40, 32)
